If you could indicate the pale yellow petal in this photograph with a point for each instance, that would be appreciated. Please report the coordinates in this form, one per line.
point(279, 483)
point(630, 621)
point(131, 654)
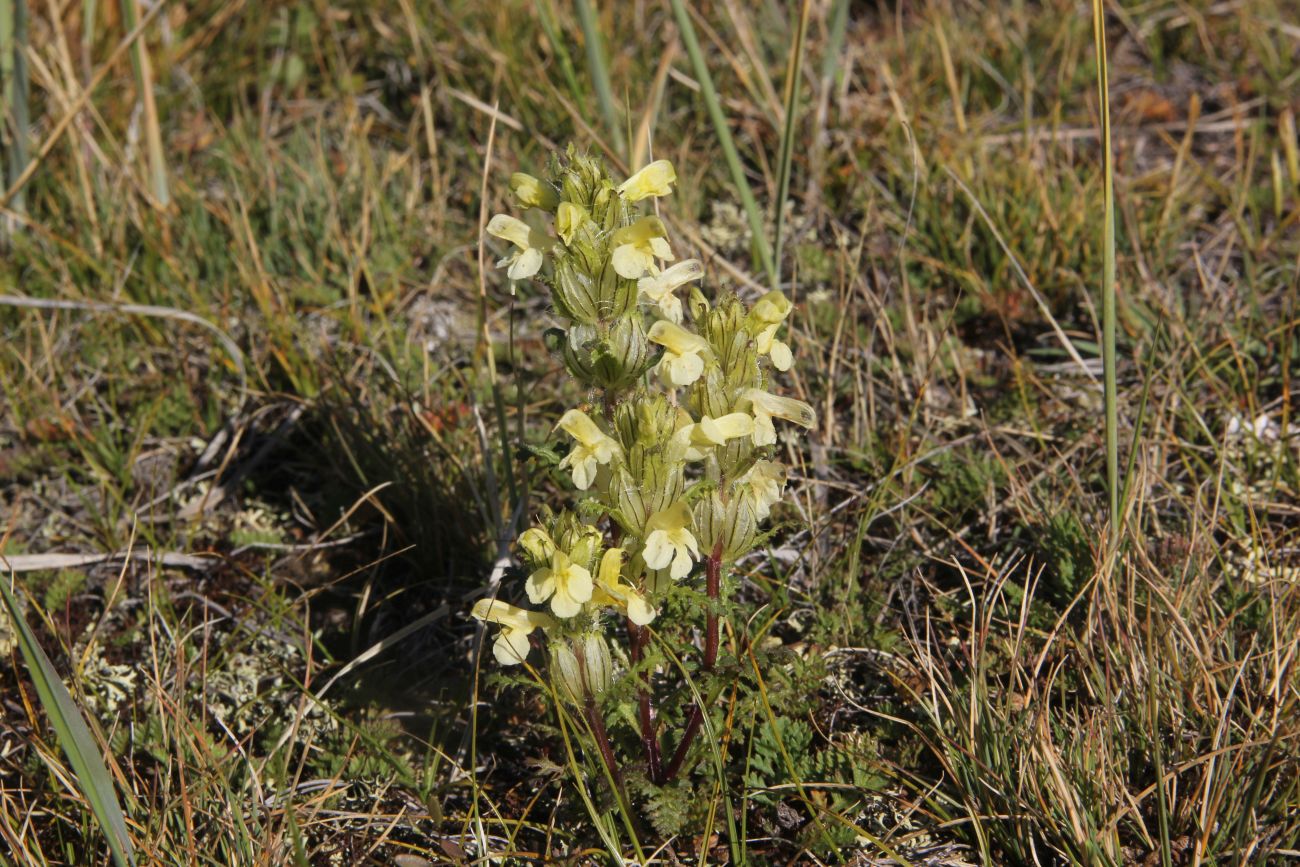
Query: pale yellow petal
point(781, 407)
point(658, 551)
point(532, 193)
point(631, 262)
point(681, 370)
point(511, 646)
point(676, 338)
point(579, 425)
point(781, 356)
point(772, 308)
point(526, 264)
point(511, 229)
point(639, 611)
point(540, 585)
point(656, 179)
point(611, 565)
point(568, 219)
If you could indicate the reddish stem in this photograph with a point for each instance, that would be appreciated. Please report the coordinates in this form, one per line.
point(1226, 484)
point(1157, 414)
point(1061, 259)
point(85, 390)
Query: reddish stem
point(598, 729)
point(602, 741)
point(649, 737)
point(713, 578)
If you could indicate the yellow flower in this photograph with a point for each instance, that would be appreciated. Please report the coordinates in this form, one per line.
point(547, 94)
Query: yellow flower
point(659, 288)
point(527, 260)
point(764, 481)
point(767, 406)
point(669, 540)
point(566, 583)
point(511, 645)
point(612, 592)
point(769, 312)
point(592, 448)
point(532, 193)
point(700, 438)
point(569, 219)
point(683, 360)
point(656, 179)
point(637, 246)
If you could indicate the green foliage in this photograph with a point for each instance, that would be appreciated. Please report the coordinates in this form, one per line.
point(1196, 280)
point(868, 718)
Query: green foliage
point(1065, 548)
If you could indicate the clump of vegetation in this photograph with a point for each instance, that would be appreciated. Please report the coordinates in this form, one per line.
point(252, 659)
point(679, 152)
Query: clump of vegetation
point(674, 470)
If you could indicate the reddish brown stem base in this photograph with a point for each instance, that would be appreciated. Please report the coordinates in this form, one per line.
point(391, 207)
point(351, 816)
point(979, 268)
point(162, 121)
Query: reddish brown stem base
point(602, 741)
point(713, 578)
point(649, 737)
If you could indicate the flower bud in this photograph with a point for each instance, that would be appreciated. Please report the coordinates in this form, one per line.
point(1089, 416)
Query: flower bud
point(699, 305)
point(734, 524)
point(616, 361)
point(599, 666)
point(582, 666)
point(538, 545)
point(574, 292)
point(565, 671)
point(579, 540)
point(582, 177)
point(532, 193)
point(645, 418)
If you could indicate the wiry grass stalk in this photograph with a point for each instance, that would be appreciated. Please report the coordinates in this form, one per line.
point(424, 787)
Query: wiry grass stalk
point(1108, 273)
point(714, 106)
point(794, 70)
point(599, 68)
point(14, 87)
point(141, 66)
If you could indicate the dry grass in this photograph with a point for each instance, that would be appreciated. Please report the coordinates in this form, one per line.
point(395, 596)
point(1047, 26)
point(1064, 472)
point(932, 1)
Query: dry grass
point(939, 659)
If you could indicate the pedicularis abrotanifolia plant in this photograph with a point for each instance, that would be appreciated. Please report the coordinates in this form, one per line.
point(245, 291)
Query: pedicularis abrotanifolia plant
point(673, 462)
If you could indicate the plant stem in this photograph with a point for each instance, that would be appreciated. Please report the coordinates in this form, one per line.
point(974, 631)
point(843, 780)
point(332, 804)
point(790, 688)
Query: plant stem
point(1108, 274)
point(713, 577)
point(602, 742)
point(649, 737)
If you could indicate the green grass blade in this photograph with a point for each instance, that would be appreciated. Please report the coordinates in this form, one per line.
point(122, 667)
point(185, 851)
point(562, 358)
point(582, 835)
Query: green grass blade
point(600, 74)
point(546, 14)
point(152, 130)
point(714, 107)
point(14, 122)
point(78, 744)
point(835, 39)
point(793, 73)
point(1108, 272)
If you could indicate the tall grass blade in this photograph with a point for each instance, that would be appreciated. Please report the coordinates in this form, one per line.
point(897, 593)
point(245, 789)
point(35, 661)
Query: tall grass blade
point(794, 70)
point(546, 14)
point(152, 131)
point(1107, 272)
point(599, 68)
point(714, 107)
point(835, 39)
point(89, 8)
point(78, 744)
point(14, 87)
